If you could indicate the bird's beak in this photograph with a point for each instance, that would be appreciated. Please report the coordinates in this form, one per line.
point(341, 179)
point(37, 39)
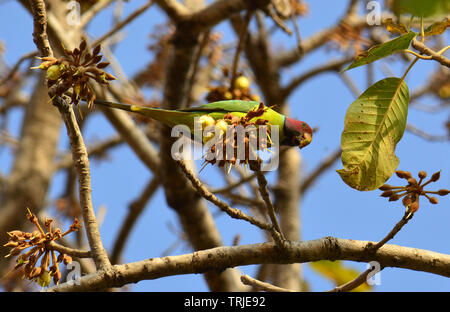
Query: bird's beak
point(305, 140)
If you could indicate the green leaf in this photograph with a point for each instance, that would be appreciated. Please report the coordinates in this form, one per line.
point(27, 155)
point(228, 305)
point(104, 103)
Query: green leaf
point(337, 272)
point(424, 8)
point(382, 50)
point(374, 124)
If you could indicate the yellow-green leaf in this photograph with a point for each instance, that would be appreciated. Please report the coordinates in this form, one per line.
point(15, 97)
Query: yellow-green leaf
point(337, 272)
point(394, 28)
point(382, 50)
point(374, 124)
point(437, 28)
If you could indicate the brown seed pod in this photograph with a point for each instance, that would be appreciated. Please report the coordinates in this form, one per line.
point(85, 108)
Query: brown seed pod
point(385, 187)
point(433, 200)
point(387, 193)
point(422, 174)
point(435, 176)
point(443, 192)
point(394, 197)
point(403, 174)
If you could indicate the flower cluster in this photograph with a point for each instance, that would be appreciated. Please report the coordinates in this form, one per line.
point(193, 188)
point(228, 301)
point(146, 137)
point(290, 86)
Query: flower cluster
point(413, 190)
point(39, 243)
point(73, 71)
point(221, 126)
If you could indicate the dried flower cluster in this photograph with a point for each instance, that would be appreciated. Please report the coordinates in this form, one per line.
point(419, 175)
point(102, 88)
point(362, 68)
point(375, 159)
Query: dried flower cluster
point(153, 74)
point(73, 71)
point(252, 142)
point(286, 8)
point(413, 190)
point(39, 243)
point(347, 37)
point(239, 91)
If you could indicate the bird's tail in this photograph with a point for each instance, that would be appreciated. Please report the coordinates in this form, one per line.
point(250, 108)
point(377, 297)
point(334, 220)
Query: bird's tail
point(168, 117)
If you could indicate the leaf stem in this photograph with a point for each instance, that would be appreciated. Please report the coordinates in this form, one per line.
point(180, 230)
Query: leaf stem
point(418, 55)
point(409, 68)
point(422, 33)
point(442, 50)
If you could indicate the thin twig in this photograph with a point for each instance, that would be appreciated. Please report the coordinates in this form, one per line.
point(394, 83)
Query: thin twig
point(324, 165)
point(425, 135)
point(70, 251)
point(232, 212)
point(92, 12)
point(297, 31)
point(374, 247)
point(196, 64)
point(135, 210)
point(259, 285)
point(333, 65)
point(361, 279)
point(240, 47)
point(17, 65)
point(81, 162)
point(434, 55)
point(262, 182)
point(232, 186)
point(277, 20)
point(123, 23)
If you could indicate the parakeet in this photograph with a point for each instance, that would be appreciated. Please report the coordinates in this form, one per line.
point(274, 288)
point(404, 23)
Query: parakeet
point(292, 132)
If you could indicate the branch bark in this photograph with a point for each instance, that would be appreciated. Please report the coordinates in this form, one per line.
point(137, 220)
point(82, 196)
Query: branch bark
point(220, 258)
point(76, 142)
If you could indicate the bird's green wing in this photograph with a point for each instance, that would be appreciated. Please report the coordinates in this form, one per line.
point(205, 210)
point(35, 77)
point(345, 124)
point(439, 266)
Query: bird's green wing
point(223, 106)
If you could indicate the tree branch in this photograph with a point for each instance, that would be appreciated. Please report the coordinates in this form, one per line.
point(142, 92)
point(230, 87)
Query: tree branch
point(426, 50)
point(220, 258)
point(76, 141)
point(259, 285)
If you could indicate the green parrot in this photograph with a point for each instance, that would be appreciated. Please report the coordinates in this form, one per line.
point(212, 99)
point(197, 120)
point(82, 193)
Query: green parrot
point(292, 132)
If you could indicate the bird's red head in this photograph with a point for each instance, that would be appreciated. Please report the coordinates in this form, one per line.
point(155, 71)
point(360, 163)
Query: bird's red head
point(298, 133)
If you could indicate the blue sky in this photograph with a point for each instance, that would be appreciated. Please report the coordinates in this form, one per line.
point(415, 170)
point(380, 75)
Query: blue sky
point(329, 208)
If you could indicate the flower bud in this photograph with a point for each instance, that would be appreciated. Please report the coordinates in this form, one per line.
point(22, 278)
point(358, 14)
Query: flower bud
point(412, 181)
point(56, 277)
point(44, 279)
point(54, 72)
point(206, 121)
point(385, 187)
point(35, 272)
point(433, 200)
point(394, 197)
point(11, 244)
point(387, 194)
point(443, 192)
point(227, 95)
point(435, 176)
point(403, 174)
point(422, 174)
